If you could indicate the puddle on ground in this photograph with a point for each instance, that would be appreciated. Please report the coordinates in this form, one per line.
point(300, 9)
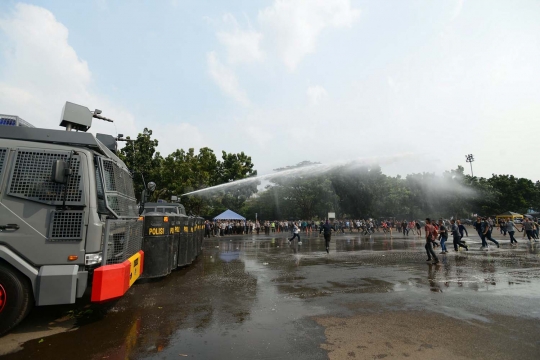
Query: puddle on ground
point(266, 293)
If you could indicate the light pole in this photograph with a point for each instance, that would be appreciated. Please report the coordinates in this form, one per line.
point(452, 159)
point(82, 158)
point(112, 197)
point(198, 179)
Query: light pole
point(470, 159)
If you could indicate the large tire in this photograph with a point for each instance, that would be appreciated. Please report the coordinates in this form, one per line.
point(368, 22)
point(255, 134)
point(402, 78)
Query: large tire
point(16, 298)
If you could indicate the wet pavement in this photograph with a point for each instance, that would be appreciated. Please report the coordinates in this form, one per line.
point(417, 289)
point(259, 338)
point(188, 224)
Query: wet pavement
point(258, 297)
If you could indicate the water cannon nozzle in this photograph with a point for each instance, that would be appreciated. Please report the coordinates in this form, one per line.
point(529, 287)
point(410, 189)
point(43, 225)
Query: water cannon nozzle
point(102, 117)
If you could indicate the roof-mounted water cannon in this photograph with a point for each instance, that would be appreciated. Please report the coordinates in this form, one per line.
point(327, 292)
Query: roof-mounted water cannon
point(78, 117)
point(97, 116)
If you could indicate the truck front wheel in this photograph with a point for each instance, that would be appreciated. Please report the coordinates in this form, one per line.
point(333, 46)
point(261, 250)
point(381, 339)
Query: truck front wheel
point(15, 298)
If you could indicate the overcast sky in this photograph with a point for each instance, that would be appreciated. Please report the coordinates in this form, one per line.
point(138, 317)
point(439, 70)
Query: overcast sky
point(419, 84)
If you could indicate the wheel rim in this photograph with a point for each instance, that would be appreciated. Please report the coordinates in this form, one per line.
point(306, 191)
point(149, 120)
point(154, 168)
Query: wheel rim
point(3, 298)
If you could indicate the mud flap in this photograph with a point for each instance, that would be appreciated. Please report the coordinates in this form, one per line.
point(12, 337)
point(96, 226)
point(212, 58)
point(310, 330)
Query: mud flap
point(57, 284)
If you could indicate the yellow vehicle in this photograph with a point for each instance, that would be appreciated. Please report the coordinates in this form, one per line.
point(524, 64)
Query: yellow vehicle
point(509, 215)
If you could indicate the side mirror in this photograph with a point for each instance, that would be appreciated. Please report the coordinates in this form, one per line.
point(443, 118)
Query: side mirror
point(60, 172)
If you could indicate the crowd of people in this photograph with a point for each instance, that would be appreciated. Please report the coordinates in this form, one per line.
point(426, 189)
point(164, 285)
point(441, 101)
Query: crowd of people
point(436, 233)
point(369, 226)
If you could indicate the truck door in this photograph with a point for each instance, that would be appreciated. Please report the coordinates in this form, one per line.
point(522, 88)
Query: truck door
point(48, 233)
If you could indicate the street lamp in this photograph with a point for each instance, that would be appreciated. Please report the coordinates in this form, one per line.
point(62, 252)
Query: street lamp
point(470, 159)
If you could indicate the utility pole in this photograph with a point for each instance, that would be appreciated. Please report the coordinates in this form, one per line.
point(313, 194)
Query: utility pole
point(470, 158)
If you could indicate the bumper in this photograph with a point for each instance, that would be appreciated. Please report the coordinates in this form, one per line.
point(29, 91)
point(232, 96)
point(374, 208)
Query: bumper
point(113, 281)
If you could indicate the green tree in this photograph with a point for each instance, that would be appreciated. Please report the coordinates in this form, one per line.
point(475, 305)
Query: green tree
point(235, 167)
point(359, 189)
point(512, 194)
point(306, 197)
point(183, 172)
point(396, 199)
point(141, 158)
point(484, 199)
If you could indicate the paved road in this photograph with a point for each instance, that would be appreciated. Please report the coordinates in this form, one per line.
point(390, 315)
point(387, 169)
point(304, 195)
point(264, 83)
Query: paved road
point(262, 298)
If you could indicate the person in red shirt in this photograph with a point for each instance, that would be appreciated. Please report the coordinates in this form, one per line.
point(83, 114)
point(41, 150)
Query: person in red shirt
point(431, 235)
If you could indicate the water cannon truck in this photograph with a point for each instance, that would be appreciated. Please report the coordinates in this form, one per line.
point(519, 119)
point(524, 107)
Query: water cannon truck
point(68, 216)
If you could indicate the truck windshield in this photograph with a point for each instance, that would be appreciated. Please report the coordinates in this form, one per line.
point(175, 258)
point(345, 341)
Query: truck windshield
point(118, 188)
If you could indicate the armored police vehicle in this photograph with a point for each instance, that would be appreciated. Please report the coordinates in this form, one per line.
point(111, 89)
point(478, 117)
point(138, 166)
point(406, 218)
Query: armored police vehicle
point(68, 216)
point(164, 207)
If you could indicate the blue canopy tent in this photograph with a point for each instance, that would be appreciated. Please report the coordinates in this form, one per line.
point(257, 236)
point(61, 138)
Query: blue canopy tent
point(229, 215)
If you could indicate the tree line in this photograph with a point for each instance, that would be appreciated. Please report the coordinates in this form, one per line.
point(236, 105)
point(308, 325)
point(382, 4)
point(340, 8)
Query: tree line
point(349, 190)
point(184, 171)
point(365, 192)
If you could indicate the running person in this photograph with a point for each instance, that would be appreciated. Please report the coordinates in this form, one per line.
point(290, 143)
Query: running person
point(479, 229)
point(462, 229)
point(431, 235)
point(457, 236)
point(502, 227)
point(327, 228)
point(528, 226)
point(511, 229)
point(443, 236)
point(296, 233)
point(404, 228)
point(486, 230)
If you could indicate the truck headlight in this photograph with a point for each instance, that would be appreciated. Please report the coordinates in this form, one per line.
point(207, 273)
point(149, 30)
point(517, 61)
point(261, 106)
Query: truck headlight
point(93, 259)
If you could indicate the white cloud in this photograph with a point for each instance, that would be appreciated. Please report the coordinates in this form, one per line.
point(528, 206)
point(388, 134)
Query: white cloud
point(263, 137)
point(457, 10)
point(226, 79)
point(102, 4)
point(42, 71)
point(392, 84)
point(316, 94)
point(208, 20)
point(192, 137)
point(296, 25)
point(241, 45)
point(289, 30)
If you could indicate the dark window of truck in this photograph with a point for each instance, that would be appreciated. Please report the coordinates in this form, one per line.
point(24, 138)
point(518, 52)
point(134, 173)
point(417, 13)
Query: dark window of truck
point(3, 159)
point(102, 207)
